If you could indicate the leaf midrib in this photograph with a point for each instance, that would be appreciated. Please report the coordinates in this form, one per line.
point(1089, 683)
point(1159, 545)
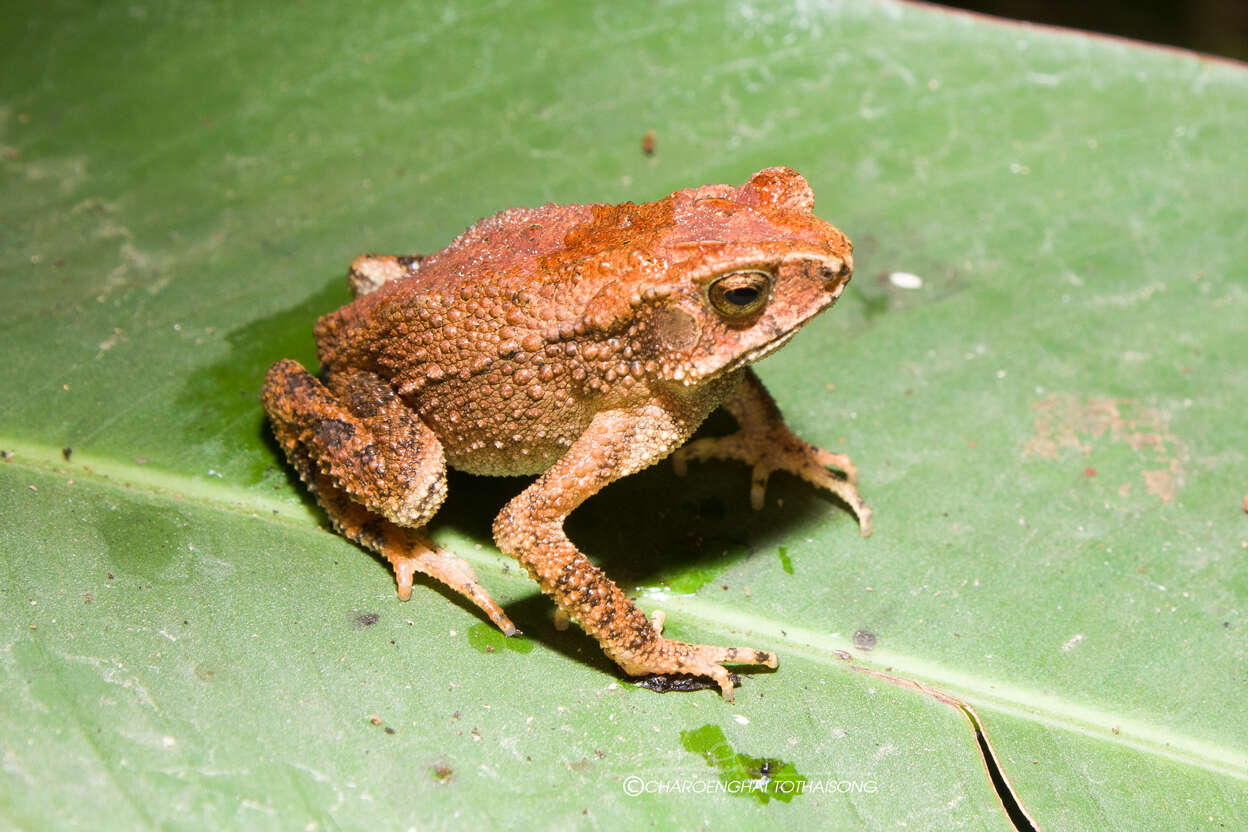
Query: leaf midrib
point(829, 649)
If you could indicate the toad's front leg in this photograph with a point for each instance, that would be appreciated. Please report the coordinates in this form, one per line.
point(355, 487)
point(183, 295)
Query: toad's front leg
point(530, 528)
point(766, 443)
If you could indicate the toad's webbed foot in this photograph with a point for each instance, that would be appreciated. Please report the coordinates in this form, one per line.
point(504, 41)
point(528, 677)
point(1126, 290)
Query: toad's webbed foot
point(766, 444)
point(660, 658)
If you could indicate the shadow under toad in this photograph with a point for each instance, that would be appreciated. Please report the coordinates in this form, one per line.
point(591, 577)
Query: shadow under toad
point(650, 531)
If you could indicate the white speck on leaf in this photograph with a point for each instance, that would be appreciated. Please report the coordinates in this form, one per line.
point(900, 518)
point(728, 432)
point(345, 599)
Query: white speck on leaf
point(905, 280)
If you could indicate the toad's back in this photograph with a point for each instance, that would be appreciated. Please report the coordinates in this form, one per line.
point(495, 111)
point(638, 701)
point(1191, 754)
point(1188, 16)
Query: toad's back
point(465, 337)
point(510, 240)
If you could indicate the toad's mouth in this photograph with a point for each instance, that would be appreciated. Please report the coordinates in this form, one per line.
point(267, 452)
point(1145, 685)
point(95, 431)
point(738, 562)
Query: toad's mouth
point(768, 347)
point(745, 358)
point(759, 352)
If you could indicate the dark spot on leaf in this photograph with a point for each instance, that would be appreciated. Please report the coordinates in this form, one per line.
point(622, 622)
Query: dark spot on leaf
point(864, 640)
point(365, 619)
point(664, 682)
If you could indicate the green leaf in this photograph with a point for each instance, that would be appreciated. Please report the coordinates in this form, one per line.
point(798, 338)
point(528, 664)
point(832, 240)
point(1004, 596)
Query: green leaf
point(1050, 428)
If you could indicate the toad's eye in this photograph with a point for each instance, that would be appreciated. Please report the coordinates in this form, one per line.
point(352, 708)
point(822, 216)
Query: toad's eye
point(740, 294)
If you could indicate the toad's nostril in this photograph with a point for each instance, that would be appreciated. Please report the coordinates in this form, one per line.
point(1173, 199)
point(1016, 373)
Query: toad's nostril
point(837, 273)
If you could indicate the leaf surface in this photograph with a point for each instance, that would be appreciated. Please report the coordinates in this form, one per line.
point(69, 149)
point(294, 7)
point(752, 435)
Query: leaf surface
point(1050, 428)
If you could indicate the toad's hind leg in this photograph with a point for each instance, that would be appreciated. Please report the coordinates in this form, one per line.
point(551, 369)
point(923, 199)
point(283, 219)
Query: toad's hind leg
point(376, 469)
point(407, 550)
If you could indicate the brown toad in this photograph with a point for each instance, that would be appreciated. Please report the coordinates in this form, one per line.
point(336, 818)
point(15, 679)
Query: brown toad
point(580, 342)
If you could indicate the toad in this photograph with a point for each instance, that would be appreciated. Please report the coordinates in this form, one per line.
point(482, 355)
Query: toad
point(581, 343)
